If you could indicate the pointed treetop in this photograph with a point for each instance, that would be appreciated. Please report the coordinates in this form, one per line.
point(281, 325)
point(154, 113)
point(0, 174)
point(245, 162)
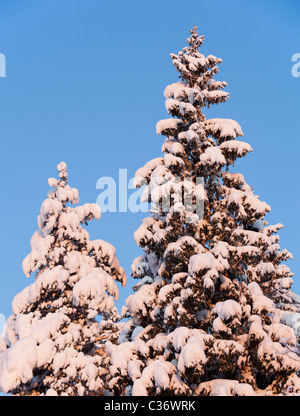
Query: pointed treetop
point(196, 71)
point(195, 41)
point(62, 170)
point(61, 191)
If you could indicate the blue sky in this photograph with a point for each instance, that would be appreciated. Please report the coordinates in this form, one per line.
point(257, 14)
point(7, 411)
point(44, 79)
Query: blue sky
point(85, 82)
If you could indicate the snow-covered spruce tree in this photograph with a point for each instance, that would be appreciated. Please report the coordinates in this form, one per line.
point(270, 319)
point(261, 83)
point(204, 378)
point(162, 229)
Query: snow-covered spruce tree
point(53, 341)
point(212, 312)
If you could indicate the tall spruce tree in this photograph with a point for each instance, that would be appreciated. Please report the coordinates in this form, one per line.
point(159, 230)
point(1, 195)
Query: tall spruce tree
point(212, 313)
point(53, 343)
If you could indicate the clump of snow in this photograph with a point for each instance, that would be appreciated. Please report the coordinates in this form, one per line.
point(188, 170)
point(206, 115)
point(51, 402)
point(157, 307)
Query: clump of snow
point(168, 127)
point(227, 310)
point(224, 127)
point(212, 156)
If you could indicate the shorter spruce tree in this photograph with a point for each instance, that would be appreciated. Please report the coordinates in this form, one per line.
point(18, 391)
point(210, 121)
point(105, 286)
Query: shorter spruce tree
point(53, 341)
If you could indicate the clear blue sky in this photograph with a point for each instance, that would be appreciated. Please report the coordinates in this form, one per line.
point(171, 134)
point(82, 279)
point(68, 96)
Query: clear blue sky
point(85, 81)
